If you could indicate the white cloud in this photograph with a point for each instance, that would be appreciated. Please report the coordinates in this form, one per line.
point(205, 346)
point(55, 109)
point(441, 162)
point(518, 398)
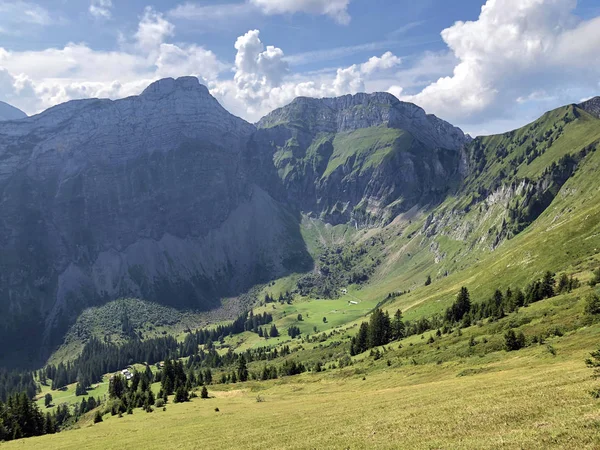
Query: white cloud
point(514, 48)
point(101, 8)
point(387, 61)
point(36, 80)
point(336, 9)
point(206, 13)
point(152, 30)
point(14, 15)
point(263, 82)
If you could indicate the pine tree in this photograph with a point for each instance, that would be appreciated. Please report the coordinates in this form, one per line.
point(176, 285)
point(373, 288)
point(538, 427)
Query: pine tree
point(242, 370)
point(98, 417)
point(204, 392)
point(398, 327)
point(47, 400)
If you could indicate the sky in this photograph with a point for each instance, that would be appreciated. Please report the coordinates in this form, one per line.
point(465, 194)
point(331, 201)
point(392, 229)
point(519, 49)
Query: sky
point(487, 67)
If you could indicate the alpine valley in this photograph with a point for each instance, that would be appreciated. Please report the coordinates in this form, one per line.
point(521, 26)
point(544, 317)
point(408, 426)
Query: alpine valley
point(348, 272)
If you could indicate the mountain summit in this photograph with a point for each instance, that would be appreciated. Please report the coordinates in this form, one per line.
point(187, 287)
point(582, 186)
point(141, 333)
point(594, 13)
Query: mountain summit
point(9, 112)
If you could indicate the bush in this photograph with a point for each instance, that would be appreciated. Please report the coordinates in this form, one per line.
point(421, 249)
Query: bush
point(592, 304)
point(204, 392)
point(160, 403)
point(514, 341)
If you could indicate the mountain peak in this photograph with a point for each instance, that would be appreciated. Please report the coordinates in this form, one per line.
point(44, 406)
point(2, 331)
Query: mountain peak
point(167, 86)
point(362, 110)
point(592, 106)
point(9, 112)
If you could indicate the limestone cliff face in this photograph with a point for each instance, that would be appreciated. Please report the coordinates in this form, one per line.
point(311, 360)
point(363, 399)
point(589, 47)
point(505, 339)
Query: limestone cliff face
point(148, 196)
point(361, 158)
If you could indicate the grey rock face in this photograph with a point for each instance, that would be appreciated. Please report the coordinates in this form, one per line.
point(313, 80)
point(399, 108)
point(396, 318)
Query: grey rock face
point(351, 112)
point(592, 106)
point(9, 112)
point(147, 196)
point(375, 180)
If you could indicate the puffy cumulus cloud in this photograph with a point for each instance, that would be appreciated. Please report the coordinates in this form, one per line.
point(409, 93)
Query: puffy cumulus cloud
point(514, 49)
point(387, 61)
point(262, 79)
point(336, 9)
point(36, 80)
point(101, 8)
point(152, 30)
point(257, 70)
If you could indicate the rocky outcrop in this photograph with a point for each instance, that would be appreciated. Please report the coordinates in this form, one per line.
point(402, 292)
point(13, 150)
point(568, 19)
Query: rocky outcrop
point(592, 106)
point(9, 112)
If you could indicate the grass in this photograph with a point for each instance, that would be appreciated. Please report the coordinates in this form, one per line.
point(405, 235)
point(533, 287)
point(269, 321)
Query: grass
point(525, 399)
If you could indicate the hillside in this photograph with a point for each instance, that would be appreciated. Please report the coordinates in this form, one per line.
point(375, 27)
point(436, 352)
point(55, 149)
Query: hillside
point(307, 230)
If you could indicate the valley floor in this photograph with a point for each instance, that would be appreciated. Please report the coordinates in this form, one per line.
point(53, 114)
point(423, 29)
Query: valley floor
point(524, 399)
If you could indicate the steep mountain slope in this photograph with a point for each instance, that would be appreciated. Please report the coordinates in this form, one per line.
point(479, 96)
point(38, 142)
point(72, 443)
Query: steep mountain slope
point(528, 204)
point(9, 112)
point(147, 196)
point(361, 158)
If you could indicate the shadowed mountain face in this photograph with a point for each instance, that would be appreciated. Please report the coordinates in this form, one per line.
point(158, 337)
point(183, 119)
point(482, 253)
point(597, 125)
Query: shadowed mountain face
point(9, 112)
point(168, 197)
point(149, 196)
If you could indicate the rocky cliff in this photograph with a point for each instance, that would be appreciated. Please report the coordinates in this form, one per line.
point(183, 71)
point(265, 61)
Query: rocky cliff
point(361, 158)
point(148, 196)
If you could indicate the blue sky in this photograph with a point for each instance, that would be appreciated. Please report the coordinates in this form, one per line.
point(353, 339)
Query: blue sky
point(485, 70)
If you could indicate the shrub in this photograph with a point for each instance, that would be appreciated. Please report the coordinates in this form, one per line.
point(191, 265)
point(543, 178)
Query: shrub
point(160, 403)
point(514, 341)
point(592, 304)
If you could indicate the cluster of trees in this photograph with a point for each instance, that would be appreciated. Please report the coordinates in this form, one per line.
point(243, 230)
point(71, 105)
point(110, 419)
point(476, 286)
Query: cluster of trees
point(20, 417)
point(381, 329)
point(339, 267)
point(496, 307)
point(287, 298)
point(98, 358)
point(136, 393)
point(14, 382)
point(273, 332)
point(244, 322)
point(293, 331)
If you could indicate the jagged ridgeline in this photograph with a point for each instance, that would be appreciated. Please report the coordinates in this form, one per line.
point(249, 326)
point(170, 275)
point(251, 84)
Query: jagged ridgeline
point(169, 198)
